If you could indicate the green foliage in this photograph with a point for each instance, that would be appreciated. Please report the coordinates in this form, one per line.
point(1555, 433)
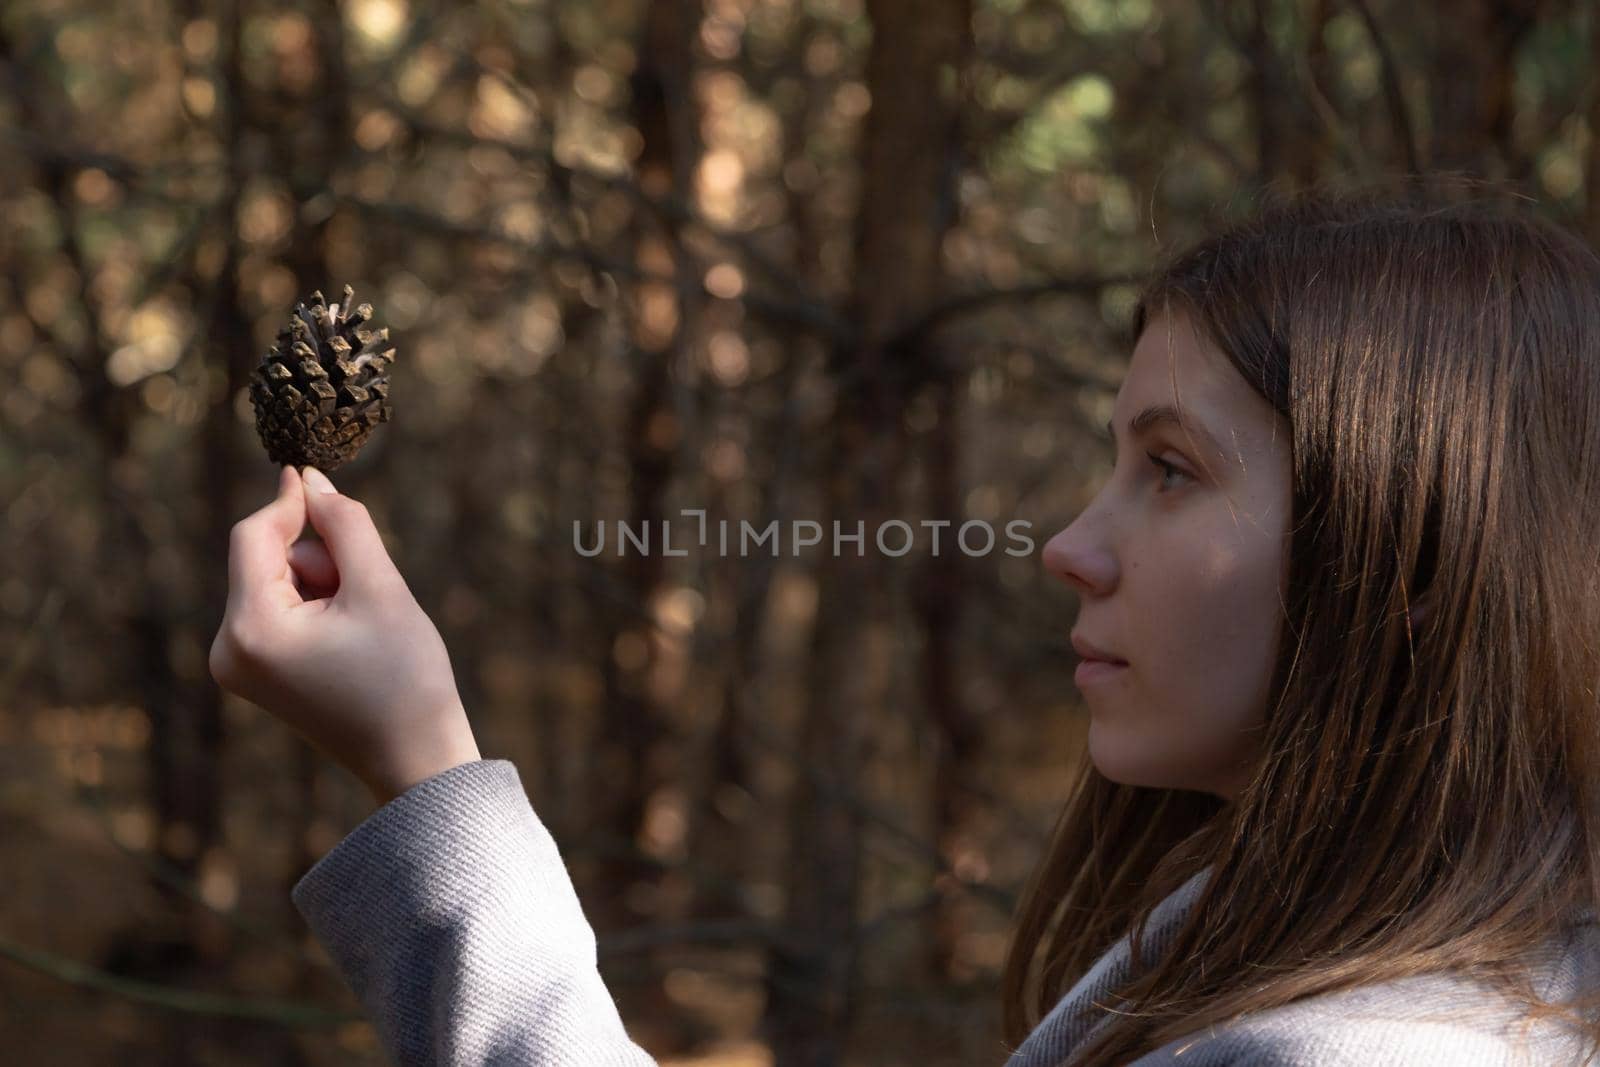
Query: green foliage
point(1067, 128)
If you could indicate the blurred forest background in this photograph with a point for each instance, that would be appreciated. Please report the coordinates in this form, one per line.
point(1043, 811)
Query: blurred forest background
point(773, 259)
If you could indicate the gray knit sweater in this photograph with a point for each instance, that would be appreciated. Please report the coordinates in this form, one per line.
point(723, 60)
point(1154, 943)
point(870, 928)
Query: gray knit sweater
point(451, 916)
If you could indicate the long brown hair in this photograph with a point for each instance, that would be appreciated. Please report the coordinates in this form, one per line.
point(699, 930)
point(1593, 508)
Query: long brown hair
point(1426, 792)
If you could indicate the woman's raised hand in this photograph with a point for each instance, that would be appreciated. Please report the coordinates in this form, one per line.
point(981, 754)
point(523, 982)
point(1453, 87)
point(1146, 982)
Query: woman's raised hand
point(327, 637)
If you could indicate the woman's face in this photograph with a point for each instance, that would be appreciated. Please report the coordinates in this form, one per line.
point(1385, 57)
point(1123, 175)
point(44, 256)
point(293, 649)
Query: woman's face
point(1180, 572)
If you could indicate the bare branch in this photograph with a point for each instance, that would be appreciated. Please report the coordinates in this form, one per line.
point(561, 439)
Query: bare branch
point(972, 303)
point(1394, 95)
point(216, 1005)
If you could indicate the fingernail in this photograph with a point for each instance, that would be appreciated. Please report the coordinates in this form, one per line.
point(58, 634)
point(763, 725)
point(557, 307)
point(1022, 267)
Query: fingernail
point(318, 481)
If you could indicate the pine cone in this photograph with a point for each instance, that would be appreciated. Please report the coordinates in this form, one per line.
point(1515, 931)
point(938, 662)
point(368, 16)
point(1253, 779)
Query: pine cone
point(323, 388)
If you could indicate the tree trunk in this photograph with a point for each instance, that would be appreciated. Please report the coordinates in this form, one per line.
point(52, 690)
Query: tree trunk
point(631, 757)
point(908, 144)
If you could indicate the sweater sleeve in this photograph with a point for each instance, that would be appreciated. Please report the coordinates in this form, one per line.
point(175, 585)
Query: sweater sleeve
point(452, 918)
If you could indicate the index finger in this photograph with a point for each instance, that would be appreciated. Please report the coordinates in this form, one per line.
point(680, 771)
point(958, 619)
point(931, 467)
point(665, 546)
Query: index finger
point(258, 547)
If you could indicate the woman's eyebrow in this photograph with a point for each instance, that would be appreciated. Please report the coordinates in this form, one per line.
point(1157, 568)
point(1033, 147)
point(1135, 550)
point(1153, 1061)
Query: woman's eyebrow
point(1160, 413)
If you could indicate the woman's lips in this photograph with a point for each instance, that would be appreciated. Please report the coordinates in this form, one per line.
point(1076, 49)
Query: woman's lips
point(1099, 664)
point(1097, 671)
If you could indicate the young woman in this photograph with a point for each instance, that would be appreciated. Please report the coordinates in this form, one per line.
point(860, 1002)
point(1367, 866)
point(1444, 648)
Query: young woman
point(1340, 630)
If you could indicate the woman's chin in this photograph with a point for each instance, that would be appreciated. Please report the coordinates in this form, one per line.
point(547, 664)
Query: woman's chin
point(1105, 751)
point(1121, 759)
point(1126, 761)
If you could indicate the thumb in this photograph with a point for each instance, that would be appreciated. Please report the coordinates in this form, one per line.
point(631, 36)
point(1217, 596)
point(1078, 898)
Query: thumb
point(258, 543)
point(352, 540)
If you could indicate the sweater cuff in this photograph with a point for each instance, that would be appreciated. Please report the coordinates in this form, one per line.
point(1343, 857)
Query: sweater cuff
point(429, 856)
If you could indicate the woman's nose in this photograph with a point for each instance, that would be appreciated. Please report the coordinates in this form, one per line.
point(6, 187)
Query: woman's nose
point(1081, 559)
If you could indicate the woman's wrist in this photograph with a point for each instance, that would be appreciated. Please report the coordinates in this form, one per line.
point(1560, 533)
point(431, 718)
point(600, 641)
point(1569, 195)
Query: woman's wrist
point(419, 759)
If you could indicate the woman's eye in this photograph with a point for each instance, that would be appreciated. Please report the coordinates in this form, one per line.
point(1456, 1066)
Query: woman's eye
point(1168, 470)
